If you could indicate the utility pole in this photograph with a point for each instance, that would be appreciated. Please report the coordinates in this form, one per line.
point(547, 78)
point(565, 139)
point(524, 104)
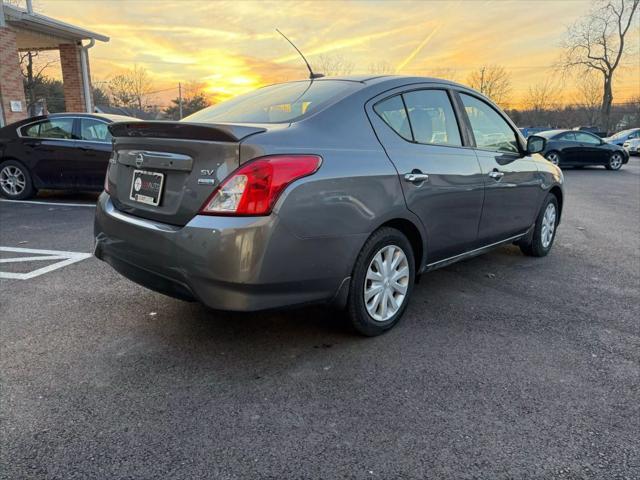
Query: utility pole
point(180, 99)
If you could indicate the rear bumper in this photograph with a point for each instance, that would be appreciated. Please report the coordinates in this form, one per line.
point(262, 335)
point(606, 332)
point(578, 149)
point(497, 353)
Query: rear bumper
point(227, 263)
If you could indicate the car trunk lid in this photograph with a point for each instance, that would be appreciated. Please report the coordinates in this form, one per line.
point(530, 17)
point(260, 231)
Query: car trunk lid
point(183, 162)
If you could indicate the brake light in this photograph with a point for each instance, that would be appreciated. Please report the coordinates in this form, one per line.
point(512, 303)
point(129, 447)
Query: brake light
point(106, 179)
point(254, 188)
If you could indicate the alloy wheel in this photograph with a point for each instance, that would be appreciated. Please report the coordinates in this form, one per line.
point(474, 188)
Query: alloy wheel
point(554, 158)
point(615, 162)
point(386, 284)
point(12, 180)
point(548, 225)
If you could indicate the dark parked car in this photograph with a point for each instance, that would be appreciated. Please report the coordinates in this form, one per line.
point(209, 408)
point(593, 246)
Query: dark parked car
point(579, 149)
point(528, 131)
point(337, 191)
point(58, 151)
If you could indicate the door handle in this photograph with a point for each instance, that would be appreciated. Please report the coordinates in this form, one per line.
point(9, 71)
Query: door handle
point(416, 177)
point(496, 174)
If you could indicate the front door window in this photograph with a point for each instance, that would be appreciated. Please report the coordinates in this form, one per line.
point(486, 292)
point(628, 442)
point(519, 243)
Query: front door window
point(490, 130)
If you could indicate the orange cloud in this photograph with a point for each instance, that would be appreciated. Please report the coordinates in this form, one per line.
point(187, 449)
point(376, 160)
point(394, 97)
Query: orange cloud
point(232, 46)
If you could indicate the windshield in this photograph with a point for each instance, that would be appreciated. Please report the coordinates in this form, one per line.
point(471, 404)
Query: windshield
point(280, 103)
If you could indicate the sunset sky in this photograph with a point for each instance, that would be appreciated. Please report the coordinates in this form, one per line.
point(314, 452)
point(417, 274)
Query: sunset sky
point(232, 47)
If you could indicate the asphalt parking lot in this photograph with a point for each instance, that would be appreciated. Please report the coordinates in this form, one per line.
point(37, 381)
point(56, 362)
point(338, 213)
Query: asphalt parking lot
point(505, 366)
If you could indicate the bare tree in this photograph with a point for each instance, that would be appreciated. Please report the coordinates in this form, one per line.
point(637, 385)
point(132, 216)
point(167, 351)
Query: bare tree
point(33, 66)
point(381, 67)
point(493, 81)
point(634, 105)
point(450, 74)
point(20, 3)
point(540, 100)
point(195, 89)
point(129, 89)
point(333, 65)
point(597, 43)
point(589, 97)
point(542, 96)
point(120, 89)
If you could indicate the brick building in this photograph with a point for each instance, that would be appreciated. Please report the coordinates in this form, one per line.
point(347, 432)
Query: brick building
point(24, 30)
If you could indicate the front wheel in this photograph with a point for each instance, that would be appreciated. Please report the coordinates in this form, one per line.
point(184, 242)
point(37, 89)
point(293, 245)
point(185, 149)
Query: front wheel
point(15, 181)
point(544, 230)
point(382, 282)
point(615, 161)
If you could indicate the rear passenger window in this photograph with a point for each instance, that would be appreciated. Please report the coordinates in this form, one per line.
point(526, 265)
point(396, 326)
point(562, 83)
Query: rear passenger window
point(393, 113)
point(432, 118)
point(54, 128)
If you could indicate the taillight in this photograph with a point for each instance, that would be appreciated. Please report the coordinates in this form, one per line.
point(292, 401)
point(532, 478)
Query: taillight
point(106, 179)
point(254, 188)
point(112, 161)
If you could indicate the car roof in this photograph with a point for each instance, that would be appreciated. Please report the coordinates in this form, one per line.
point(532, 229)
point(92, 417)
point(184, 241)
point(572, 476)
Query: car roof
point(366, 80)
point(553, 133)
point(12, 127)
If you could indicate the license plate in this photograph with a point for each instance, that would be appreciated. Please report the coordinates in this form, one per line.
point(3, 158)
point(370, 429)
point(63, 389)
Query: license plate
point(146, 187)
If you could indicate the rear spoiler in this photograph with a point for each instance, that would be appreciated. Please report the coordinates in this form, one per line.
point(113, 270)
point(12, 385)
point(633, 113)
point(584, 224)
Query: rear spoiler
point(183, 131)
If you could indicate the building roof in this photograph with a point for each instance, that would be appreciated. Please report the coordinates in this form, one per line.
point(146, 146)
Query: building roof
point(36, 22)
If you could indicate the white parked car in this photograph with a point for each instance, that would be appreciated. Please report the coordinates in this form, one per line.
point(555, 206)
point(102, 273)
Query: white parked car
point(632, 146)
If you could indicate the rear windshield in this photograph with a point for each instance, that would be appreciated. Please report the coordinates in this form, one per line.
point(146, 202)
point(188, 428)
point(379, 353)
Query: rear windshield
point(280, 103)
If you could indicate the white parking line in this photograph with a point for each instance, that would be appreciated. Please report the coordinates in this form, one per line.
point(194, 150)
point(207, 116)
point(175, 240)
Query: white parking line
point(60, 204)
point(32, 259)
point(67, 258)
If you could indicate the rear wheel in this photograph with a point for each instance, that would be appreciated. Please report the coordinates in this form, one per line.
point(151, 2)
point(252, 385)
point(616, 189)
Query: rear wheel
point(382, 282)
point(553, 157)
point(615, 161)
point(15, 181)
point(544, 230)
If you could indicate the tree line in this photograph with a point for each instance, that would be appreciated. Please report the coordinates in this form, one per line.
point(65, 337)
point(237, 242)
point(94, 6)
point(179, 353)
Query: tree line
point(129, 89)
point(594, 49)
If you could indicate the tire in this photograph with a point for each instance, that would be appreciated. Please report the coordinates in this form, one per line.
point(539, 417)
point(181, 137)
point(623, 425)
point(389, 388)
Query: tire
point(553, 157)
point(539, 244)
point(15, 181)
point(385, 244)
point(615, 161)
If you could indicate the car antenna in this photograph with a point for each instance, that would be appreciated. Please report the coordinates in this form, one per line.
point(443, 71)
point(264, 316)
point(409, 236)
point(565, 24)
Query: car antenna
point(312, 75)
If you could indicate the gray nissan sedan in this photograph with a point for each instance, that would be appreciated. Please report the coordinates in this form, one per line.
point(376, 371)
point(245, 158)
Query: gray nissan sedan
point(335, 190)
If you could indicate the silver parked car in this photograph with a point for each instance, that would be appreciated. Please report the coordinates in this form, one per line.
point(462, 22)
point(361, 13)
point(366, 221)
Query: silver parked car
point(337, 191)
point(624, 136)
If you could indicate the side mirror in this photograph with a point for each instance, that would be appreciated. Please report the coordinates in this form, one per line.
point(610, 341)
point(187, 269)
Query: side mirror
point(536, 144)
